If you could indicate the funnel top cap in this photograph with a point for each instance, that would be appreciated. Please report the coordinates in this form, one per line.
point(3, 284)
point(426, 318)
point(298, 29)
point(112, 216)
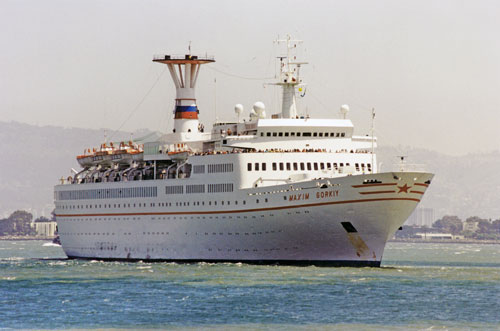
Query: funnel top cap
point(187, 58)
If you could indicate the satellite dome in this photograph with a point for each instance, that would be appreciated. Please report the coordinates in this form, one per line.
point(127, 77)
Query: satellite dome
point(260, 109)
point(238, 109)
point(344, 109)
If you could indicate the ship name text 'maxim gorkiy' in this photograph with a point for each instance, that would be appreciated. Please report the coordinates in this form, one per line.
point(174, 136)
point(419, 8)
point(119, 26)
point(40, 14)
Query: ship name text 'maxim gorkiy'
point(287, 189)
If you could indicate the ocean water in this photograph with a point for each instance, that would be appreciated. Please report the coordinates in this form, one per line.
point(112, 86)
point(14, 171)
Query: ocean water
point(420, 286)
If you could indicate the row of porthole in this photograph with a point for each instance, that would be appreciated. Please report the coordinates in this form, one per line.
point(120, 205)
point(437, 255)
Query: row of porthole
point(251, 250)
point(167, 233)
point(168, 218)
point(153, 204)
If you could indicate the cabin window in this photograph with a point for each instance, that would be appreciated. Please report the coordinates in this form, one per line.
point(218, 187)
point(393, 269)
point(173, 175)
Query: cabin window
point(274, 166)
point(292, 134)
point(357, 166)
point(315, 134)
point(281, 166)
point(338, 134)
point(315, 165)
point(342, 134)
point(321, 134)
point(341, 164)
point(286, 134)
point(309, 166)
point(275, 134)
point(298, 134)
point(322, 166)
point(288, 166)
point(249, 166)
point(280, 134)
point(268, 134)
point(263, 167)
point(306, 134)
point(295, 166)
point(262, 134)
point(335, 166)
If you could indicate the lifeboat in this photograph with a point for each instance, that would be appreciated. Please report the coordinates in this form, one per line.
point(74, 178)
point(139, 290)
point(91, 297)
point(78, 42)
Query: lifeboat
point(178, 155)
point(127, 154)
point(86, 159)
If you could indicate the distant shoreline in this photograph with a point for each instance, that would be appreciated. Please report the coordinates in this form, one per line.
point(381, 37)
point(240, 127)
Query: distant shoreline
point(11, 238)
point(446, 241)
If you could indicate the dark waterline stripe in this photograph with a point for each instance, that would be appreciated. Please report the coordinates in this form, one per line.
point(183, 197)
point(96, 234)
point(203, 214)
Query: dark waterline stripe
point(305, 263)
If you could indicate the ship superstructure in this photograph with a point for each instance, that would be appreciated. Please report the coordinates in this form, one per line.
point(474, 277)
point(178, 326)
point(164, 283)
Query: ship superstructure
point(286, 189)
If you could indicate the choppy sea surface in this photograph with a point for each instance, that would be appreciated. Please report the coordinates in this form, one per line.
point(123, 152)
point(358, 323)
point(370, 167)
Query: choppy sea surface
point(419, 286)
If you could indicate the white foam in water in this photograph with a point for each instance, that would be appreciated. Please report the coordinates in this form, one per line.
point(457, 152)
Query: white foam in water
point(50, 245)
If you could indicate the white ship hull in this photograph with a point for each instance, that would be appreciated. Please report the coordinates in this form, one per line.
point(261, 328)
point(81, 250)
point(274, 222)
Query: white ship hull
point(337, 221)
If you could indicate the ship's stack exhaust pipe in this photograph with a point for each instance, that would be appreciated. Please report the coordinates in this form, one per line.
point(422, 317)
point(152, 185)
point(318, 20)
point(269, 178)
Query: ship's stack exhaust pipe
point(184, 71)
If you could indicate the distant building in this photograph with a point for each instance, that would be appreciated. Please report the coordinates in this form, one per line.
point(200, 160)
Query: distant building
point(438, 236)
point(421, 217)
point(45, 228)
point(471, 226)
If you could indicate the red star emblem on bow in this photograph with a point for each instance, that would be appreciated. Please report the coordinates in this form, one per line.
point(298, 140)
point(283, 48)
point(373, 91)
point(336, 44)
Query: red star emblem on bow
point(404, 188)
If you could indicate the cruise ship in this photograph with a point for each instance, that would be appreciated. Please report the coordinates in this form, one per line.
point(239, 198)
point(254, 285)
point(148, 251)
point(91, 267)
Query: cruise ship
point(278, 189)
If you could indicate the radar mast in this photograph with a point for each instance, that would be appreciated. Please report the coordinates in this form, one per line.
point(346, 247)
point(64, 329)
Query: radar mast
point(289, 78)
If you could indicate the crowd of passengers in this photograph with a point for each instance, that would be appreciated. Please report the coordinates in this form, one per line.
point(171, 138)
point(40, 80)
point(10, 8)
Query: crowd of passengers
point(279, 150)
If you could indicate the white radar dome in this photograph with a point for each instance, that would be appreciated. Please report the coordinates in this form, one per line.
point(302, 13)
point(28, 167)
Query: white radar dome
point(238, 109)
point(260, 109)
point(344, 109)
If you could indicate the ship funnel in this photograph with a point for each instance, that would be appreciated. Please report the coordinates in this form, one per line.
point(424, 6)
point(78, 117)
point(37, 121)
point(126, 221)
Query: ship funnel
point(184, 71)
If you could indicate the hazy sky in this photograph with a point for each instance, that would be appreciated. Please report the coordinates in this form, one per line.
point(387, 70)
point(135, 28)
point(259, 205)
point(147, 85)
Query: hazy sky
point(431, 69)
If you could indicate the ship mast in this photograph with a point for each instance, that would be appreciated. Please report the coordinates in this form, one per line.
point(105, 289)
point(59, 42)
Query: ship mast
point(289, 78)
point(184, 70)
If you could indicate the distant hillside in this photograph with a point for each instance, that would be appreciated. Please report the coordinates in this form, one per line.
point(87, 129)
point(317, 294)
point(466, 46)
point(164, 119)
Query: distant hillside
point(463, 185)
point(34, 158)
